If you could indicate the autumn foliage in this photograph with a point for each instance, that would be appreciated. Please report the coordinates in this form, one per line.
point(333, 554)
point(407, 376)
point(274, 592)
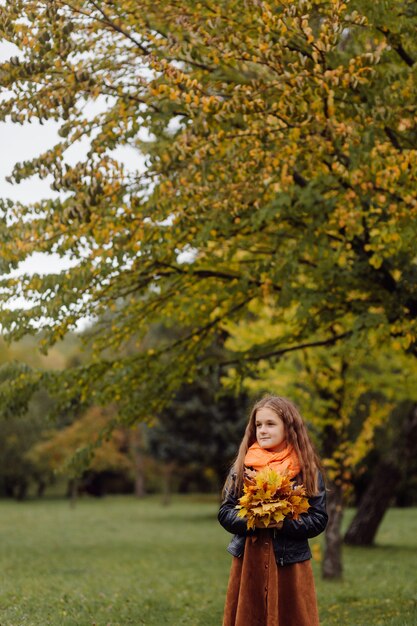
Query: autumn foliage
point(269, 497)
point(59, 448)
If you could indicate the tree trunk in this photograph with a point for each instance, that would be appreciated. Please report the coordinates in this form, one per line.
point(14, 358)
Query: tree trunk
point(22, 489)
point(332, 561)
point(137, 456)
point(139, 481)
point(41, 488)
point(168, 470)
point(373, 505)
point(377, 497)
point(73, 491)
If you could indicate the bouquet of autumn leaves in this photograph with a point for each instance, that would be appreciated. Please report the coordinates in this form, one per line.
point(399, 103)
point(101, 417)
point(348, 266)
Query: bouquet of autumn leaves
point(270, 497)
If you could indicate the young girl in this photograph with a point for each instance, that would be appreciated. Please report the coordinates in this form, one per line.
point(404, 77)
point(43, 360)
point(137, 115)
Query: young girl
point(271, 580)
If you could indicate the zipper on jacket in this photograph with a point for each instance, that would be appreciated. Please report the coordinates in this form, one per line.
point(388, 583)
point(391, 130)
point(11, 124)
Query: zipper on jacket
point(283, 554)
point(281, 558)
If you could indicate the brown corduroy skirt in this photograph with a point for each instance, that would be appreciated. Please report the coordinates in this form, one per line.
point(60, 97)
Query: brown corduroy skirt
point(261, 593)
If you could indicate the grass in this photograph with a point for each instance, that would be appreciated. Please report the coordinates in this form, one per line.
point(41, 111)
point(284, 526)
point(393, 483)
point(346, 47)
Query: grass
point(120, 561)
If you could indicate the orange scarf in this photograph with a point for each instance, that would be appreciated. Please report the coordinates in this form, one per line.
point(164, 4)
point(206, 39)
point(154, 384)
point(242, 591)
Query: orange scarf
point(285, 460)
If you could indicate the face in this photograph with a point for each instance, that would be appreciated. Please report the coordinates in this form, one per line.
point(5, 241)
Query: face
point(270, 430)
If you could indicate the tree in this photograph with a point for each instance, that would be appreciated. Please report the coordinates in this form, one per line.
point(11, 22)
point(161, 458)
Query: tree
point(24, 419)
point(17, 436)
point(199, 432)
point(60, 449)
point(280, 148)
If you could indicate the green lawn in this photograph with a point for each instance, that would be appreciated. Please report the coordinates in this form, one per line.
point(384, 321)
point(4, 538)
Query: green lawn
point(120, 561)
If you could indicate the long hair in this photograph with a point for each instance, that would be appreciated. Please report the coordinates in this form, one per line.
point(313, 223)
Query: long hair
point(295, 433)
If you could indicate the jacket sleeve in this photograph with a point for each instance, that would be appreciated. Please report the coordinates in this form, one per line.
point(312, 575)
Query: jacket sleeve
point(313, 522)
point(228, 517)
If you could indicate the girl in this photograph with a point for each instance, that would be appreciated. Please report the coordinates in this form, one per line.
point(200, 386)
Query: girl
point(271, 580)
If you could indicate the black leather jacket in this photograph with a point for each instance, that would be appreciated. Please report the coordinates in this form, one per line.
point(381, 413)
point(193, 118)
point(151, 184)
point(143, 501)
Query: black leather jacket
point(291, 541)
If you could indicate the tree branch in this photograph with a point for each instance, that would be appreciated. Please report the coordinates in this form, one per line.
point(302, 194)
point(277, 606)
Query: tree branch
point(393, 138)
point(267, 355)
point(396, 45)
point(206, 273)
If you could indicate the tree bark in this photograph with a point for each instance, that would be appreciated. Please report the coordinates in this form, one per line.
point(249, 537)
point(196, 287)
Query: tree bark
point(332, 561)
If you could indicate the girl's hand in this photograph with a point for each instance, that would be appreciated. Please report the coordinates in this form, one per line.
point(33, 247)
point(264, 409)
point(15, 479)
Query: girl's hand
point(271, 525)
point(276, 524)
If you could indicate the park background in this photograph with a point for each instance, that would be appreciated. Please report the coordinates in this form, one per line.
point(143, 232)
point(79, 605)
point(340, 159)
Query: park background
point(205, 202)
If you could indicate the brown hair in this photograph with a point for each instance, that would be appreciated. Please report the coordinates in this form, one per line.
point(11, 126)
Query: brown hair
point(296, 434)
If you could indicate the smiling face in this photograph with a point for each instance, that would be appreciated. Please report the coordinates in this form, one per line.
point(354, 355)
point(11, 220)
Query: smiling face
point(270, 430)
